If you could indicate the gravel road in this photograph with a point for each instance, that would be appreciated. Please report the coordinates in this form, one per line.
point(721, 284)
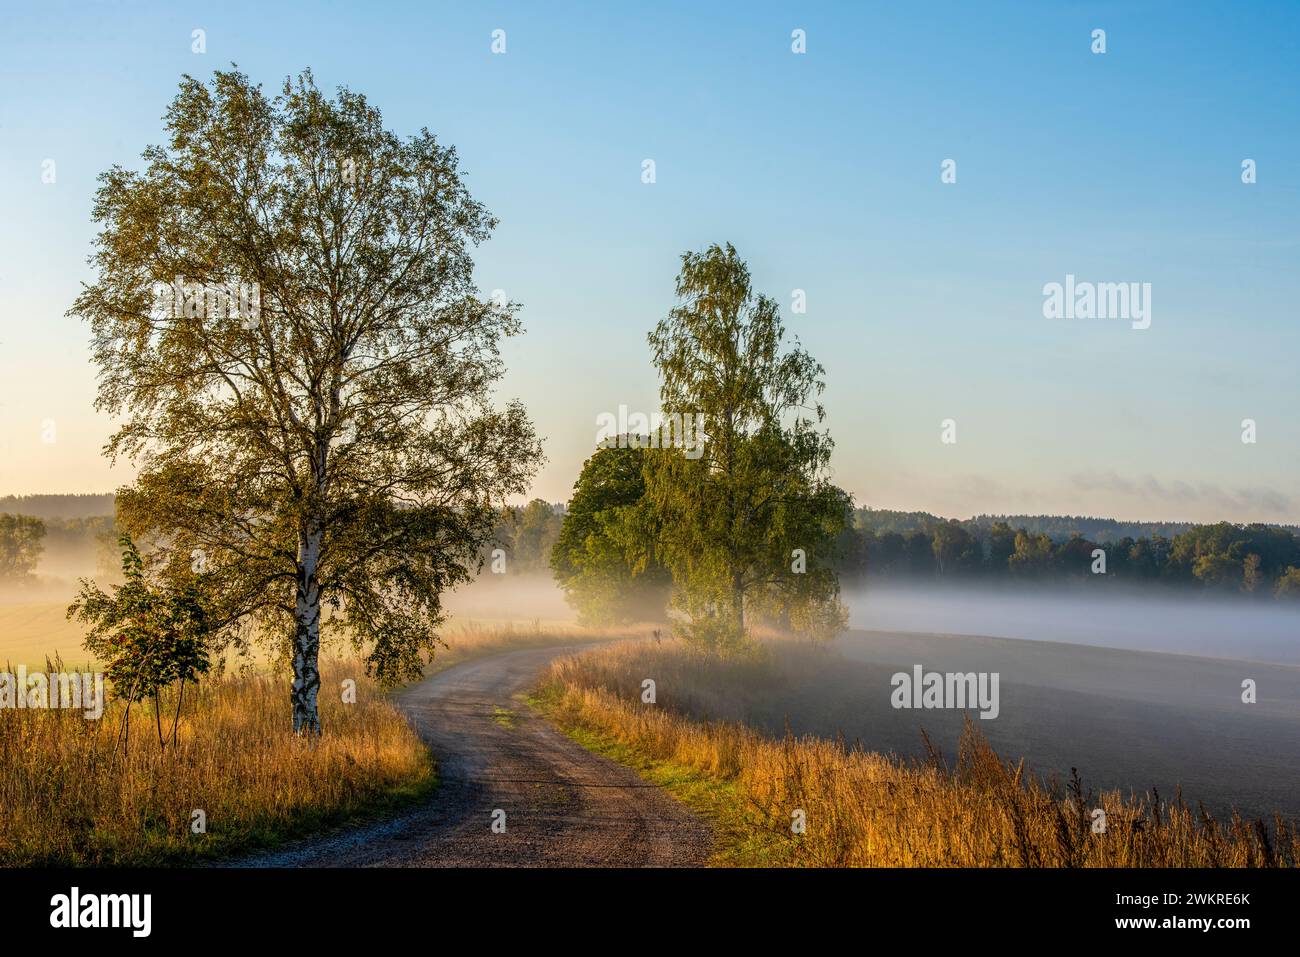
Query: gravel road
point(564, 806)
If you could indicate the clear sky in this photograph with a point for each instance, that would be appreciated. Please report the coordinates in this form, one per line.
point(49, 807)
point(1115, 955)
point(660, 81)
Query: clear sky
point(924, 299)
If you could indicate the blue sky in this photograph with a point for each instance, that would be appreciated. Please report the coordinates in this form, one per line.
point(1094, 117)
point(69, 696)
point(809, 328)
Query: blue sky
point(924, 298)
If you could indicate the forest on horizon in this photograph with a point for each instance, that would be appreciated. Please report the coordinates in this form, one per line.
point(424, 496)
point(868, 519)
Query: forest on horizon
point(878, 544)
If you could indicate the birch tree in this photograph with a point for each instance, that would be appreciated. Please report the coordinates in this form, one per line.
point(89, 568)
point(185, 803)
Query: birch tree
point(753, 522)
point(286, 324)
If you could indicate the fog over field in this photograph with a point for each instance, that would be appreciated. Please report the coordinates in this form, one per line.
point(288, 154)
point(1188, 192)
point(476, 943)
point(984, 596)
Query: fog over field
point(1134, 691)
point(1181, 621)
point(518, 598)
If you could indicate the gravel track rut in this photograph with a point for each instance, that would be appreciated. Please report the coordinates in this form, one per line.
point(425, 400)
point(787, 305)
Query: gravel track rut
point(564, 806)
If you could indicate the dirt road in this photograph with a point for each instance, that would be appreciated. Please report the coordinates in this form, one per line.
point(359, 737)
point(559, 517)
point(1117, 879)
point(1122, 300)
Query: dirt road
point(564, 806)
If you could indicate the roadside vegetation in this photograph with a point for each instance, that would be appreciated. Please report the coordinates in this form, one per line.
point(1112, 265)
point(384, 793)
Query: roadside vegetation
point(72, 795)
point(124, 790)
point(348, 456)
point(862, 809)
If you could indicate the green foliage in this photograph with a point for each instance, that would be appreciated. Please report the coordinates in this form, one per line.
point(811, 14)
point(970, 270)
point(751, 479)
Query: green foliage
point(1288, 585)
point(1002, 545)
point(1059, 528)
point(20, 546)
point(529, 534)
point(1032, 557)
point(150, 634)
point(753, 521)
point(1246, 559)
point(337, 445)
point(1218, 571)
point(604, 556)
point(955, 549)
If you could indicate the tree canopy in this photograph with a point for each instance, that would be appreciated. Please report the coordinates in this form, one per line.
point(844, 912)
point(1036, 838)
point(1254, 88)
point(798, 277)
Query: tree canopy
point(753, 521)
point(604, 557)
point(286, 321)
point(20, 545)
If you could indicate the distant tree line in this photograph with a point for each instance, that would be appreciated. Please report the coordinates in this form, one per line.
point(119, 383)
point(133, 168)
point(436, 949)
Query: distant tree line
point(525, 536)
point(1256, 559)
point(26, 539)
point(58, 506)
point(77, 528)
point(1059, 528)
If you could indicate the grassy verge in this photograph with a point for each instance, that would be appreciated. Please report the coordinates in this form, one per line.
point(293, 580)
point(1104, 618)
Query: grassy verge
point(70, 796)
point(860, 808)
point(741, 839)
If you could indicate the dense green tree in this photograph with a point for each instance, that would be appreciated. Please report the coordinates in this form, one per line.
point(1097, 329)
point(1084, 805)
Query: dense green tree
point(1211, 547)
point(1218, 571)
point(753, 519)
point(604, 557)
point(20, 545)
point(1118, 558)
point(150, 634)
point(1149, 559)
point(529, 534)
point(1288, 585)
point(286, 321)
point(852, 552)
point(956, 551)
point(886, 554)
point(1074, 558)
point(1252, 573)
point(918, 554)
point(1002, 545)
point(1032, 557)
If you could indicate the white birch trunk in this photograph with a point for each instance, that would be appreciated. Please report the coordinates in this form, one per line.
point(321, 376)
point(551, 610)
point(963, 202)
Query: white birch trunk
point(306, 638)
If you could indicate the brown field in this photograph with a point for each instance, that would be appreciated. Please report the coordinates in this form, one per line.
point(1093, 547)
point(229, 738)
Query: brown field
point(31, 631)
point(865, 808)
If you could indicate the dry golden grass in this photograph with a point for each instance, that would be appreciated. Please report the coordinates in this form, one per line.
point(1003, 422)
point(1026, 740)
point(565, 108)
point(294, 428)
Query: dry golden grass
point(34, 630)
point(68, 795)
point(867, 809)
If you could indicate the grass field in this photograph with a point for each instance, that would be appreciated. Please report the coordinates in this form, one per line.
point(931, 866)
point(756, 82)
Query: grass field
point(482, 622)
point(862, 808)
point(32, 631)
point(70, 796)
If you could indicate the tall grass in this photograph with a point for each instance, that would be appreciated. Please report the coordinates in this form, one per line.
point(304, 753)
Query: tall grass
point(868, 809)
point(70, 795)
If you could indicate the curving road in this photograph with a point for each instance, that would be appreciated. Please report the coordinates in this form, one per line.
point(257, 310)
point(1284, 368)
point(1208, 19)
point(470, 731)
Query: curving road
point(564, 806)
